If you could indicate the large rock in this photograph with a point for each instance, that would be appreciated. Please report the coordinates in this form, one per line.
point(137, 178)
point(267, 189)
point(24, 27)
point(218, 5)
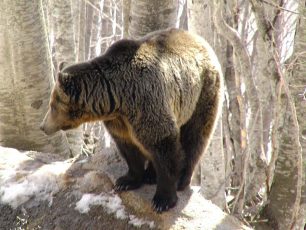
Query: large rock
point(44, 191)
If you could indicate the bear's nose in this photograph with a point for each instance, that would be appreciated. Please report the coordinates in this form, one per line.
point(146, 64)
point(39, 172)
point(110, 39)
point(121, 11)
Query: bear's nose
point(41, 126)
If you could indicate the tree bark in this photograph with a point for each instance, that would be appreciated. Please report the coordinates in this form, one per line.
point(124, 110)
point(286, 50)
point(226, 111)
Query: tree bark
point(26, 78)
point(147, 16)
point(285, 195)
point(212, 166)
point(286, 207)
point(95, 29)
point(253, 164)
point(81, 32)
point(64, 50)
point(126, 4)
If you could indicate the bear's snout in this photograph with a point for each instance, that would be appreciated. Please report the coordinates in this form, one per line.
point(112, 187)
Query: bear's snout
point(47, 129)
point(41, 127)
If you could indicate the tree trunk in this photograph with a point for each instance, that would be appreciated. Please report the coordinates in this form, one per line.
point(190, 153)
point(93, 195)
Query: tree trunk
point(26, 78)
point(252, 152)
point(286, 207)
point(81, 32)
point(212, 163)
point(285, 195)
point(126, 7)
point(64, 50)
point(298, 89)
point(147, 16)
point(107, 35)
point(95, 29)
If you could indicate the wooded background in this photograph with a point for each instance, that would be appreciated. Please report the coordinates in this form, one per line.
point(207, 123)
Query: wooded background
point(254, 168)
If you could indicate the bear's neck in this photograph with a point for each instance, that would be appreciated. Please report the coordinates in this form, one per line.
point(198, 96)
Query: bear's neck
point(100, 93)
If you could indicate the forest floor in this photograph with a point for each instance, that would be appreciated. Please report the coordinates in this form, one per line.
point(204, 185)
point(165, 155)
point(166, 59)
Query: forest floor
point(44, 191)
point(61, 215)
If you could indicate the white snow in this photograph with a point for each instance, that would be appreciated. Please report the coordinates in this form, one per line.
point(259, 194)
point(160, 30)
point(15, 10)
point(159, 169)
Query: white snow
point(137, 222)
point(24, 179)
point(21, 181)
point(112, 204)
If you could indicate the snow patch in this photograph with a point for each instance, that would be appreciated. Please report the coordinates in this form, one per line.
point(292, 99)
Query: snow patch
point(112, 204)
point(21, 181)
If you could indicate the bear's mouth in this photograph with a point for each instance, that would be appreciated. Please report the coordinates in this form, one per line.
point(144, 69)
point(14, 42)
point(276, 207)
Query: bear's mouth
point(66, 127)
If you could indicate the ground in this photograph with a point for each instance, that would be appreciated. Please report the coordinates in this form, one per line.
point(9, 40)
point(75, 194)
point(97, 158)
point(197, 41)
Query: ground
point(61, 215)
point(43, 191)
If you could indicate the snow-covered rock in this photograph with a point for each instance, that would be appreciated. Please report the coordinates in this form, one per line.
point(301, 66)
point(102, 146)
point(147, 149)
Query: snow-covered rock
point(44, 191)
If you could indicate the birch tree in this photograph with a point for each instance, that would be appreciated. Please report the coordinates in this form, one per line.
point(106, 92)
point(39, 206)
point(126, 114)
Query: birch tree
point(286, 206)
point(211, 168)
point(296, 74)
point(65, 51)
point(26, 78)
point(147, 16)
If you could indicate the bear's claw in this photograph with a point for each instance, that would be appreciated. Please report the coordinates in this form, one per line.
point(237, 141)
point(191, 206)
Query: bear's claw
point(161, 204)
point(126, 183)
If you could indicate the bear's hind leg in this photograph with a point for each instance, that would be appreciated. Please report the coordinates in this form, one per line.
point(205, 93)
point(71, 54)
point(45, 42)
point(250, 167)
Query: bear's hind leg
point(193, 143)
point(196, 134)
point(166, 161)
point(133, 179)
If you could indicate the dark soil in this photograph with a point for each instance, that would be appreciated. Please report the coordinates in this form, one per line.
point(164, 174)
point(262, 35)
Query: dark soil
point(60, 216)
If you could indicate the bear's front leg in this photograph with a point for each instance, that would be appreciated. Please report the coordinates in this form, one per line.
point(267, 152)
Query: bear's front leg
point(133, 179)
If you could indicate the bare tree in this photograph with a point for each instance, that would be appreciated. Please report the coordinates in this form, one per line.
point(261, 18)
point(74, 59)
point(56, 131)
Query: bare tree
point(26, 78)
point(212, 168)
point(286, 208)
point(268, 174)
point(65, 51)
point(296, 70)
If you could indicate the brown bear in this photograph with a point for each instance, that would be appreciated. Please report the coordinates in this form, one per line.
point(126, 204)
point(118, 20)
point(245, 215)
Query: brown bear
point(159, 98)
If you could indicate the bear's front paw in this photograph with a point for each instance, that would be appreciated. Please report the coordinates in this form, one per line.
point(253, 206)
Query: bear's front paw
point(125, 183)
point(149, 176)
point(184, 181)
point(162, 203)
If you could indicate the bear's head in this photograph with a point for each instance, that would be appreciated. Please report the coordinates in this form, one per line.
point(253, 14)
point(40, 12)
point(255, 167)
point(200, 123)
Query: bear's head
point(65, 111)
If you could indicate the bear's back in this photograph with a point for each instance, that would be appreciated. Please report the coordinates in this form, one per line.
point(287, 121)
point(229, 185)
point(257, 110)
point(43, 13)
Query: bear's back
point(183, 59)
point(168, 64)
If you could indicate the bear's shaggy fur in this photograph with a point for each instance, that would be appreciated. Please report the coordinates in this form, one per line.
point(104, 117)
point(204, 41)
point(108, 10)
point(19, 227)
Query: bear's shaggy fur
point(159, 98)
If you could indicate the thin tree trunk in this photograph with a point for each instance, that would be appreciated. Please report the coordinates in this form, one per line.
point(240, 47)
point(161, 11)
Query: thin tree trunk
point(26, 78)
point(107, 30)
point(95, 29)
point(81, 31)
point(89, 24)
point(183, 15)
point(126, 16)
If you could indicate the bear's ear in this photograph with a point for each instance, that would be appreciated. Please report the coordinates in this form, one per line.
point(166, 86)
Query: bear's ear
point(63, 78)
point(62, 65)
